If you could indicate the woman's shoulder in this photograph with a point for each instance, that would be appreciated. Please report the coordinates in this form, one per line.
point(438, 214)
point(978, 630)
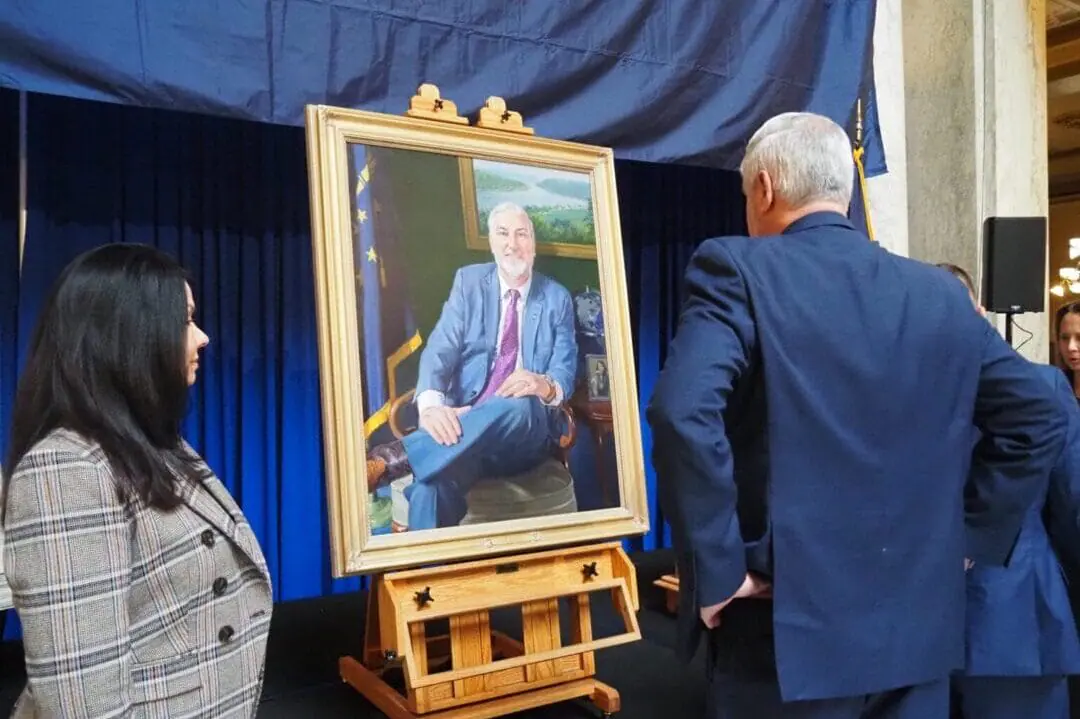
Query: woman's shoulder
point(64, 473)
point(63, 444)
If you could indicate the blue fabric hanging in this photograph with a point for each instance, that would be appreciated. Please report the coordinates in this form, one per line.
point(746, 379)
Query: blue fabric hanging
point(682, 81)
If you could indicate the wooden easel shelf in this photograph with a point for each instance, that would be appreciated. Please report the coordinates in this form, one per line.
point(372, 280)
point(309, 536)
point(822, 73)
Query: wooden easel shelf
point(491, 674)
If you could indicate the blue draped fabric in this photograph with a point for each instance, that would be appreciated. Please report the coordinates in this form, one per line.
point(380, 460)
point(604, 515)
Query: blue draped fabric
point(229, 199)
point(681, 81)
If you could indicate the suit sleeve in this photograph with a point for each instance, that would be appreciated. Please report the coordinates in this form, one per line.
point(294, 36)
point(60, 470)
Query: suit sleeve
point(1062, 510)
point(564, 354)
point(1023, 430)
point(66, 555)
point(440, 357)
point(692, 455)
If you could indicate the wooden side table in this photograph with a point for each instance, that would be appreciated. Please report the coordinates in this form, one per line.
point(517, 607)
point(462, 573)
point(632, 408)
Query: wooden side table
point(597, 415)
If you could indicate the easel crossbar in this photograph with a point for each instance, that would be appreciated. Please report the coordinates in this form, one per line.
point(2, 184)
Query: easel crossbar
point(525, 659)
point(482, 603)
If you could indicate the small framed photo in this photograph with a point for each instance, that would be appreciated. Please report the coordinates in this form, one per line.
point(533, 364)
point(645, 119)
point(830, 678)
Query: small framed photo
point(597, 378)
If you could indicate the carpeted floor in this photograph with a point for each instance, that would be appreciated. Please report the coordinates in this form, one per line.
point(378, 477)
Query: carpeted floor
point(307, 637)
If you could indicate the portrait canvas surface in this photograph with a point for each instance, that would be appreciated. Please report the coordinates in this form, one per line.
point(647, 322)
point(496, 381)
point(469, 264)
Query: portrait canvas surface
point(475, 353)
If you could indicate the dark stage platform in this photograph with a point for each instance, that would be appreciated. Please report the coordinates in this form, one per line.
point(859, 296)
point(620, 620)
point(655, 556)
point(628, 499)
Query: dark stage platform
point(307, 637)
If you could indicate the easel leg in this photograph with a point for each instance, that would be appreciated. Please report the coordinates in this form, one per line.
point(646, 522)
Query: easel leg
point(372, 687)
point(606, 698)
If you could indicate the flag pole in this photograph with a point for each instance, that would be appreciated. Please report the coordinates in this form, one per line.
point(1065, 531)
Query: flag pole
point(857, 153)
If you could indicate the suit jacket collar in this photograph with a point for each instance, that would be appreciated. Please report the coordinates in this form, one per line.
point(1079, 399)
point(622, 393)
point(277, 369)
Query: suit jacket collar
point(818, 219)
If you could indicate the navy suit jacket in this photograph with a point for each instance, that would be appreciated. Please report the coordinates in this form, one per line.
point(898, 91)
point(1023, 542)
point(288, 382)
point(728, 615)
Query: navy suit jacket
point(461, 348)
point(1019, 620)
point(812, 423)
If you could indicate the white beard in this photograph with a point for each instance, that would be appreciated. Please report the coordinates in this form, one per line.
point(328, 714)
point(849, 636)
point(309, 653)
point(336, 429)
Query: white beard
point(512, 266)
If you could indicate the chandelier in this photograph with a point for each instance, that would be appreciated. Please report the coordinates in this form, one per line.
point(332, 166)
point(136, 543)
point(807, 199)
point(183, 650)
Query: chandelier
point(1069, 276)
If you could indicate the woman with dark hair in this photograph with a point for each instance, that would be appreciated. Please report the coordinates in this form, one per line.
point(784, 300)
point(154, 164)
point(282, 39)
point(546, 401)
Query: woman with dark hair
point(1022, 641)
point(141, 588)
point(1067, 331)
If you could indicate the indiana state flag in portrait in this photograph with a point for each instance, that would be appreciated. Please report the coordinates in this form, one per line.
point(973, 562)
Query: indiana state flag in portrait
point(389, 334)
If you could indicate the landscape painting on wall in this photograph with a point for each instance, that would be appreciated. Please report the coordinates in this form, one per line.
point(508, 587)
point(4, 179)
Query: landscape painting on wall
point(558, 202)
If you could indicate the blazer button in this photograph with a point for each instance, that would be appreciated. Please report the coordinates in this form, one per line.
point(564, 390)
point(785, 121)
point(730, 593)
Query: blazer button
point(220, 585)
point(226, 633)
point(208, 537)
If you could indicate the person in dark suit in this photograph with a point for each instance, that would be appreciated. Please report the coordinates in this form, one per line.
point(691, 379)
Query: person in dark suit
point(812, 434)
point(141, 588)
point(1022, 640)
point(501, 359)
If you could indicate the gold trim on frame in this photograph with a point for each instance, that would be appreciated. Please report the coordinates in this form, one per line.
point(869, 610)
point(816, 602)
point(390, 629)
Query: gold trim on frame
point(354, 550)
point(475, 239)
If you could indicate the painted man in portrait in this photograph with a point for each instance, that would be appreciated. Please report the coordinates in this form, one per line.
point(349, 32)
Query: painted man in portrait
point(500, 360)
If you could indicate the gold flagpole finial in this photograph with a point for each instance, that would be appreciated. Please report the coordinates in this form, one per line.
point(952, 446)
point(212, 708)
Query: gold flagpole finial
point(858, 123)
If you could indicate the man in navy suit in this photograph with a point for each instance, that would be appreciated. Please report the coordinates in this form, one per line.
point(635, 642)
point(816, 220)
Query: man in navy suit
point(812, 434)
point(499, 362)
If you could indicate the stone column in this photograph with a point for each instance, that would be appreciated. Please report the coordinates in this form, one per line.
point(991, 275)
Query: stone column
point(975, 121)
point(888, 193)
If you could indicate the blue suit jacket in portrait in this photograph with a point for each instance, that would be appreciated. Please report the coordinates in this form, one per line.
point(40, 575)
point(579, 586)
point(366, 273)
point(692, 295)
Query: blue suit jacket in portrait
point(812, 423)
point(461, 348)
point(1019, 620)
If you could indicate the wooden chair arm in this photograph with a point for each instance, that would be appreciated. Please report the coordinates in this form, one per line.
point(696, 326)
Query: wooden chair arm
point(395, 408)
point(566, 441)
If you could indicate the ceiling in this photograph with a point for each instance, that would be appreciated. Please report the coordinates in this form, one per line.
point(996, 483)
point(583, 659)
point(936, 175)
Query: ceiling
point(1063, 95)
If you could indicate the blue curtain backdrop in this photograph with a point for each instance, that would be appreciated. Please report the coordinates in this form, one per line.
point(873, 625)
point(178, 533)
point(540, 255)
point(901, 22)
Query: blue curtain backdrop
point(660, 80)
point(9, 250)
point(229, 199)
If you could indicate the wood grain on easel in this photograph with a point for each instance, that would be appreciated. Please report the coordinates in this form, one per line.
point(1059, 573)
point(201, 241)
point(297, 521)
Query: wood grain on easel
point(490, 674)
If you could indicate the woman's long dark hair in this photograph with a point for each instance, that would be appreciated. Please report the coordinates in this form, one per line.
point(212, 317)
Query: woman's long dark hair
point(108, 360)
point(1070, 308)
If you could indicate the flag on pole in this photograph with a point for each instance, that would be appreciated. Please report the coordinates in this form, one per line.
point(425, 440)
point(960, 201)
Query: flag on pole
point(388, 328)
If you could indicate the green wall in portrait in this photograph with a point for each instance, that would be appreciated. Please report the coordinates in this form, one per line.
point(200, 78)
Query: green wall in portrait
point(426, 188)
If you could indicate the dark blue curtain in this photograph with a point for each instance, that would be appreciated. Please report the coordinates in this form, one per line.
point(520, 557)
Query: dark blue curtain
point(9, 252)
point(229, 198)
point(665, 213)
point(9, 261)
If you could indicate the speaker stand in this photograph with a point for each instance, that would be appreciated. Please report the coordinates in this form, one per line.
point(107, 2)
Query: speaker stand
point(1009, 327)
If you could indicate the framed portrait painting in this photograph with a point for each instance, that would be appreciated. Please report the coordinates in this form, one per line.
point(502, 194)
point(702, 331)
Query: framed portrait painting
point(476, 361)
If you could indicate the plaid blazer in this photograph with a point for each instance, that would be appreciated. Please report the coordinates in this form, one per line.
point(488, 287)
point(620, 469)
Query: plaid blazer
point(129, 611)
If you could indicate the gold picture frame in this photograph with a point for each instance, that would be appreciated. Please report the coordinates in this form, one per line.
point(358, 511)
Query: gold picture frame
point(332, 134)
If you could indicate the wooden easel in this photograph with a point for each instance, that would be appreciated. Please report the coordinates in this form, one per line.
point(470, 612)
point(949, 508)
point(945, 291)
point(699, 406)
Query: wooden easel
point(491, 674)
point(478, 672)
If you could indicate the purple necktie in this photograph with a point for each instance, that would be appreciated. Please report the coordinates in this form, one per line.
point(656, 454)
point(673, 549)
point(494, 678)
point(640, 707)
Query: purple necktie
point(506, 360)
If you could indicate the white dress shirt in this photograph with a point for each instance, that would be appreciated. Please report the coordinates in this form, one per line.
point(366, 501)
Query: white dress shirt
point(434, 398)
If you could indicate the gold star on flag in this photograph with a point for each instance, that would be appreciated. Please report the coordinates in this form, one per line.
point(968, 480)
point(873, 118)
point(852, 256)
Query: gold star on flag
point(361, 215)
point(371, 256)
